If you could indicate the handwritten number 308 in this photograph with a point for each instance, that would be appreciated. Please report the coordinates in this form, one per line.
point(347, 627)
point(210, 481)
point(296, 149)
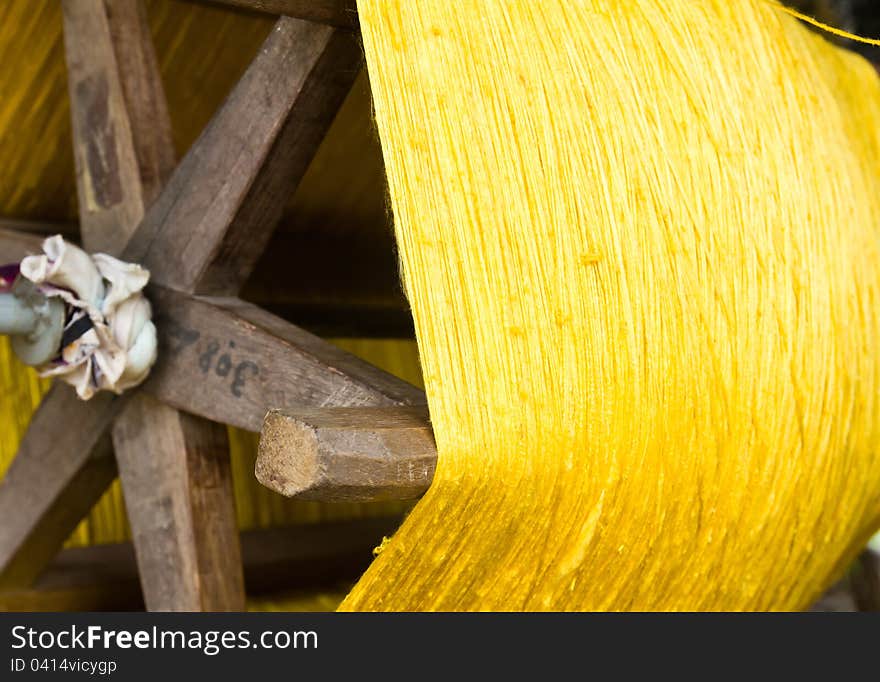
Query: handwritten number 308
point(224, 366)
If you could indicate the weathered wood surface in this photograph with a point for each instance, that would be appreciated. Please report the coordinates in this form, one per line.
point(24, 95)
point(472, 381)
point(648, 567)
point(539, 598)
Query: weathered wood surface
point(108, 183)
point(206, 231)
point(178, 491)
point(63, 466)
point(230, 362)
point(347, 454)
point(129, 152)
point(145, 105)
point(124, 151)
point(105, 577)
point(204, 48)
point(195, 238)
point(334, 12)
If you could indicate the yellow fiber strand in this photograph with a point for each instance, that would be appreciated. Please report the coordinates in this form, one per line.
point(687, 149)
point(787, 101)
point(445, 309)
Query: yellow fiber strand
point(640, 240)
point(830, 29)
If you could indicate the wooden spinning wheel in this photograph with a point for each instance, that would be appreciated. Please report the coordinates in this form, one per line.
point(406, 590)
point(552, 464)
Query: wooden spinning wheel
point(199, 228)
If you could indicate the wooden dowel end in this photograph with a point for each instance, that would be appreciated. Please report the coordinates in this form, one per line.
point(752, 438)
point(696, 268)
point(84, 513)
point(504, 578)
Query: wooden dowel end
point(347, 454)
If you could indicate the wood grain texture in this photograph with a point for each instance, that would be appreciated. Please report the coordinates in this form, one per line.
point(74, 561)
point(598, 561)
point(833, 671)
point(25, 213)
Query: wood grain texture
point(229, 192)
point(212, 509)
point(144, 95)
point(339, 454)
point(112, 40)
point(203, 48)
point(124, 154)
point(111, 201)
point(62, 468)
point(175, 474)
point(334, 12)
point(230, 361)
point(112, 168)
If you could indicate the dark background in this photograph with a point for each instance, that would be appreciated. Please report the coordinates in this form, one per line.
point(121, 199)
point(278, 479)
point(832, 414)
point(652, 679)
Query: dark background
point(861, 17)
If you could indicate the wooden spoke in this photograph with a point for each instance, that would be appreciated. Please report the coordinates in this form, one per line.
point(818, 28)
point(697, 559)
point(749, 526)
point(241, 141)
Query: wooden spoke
point(178, 491)
point(337, 429)
point(63, 467)
point(202, 233)
point(123, 147)
point(144, 96)
point(209, 226)
point(111, 201)
point(346, 454)
point(334, 12)
point(125, 155)
point(229, 361)
point(67, 440)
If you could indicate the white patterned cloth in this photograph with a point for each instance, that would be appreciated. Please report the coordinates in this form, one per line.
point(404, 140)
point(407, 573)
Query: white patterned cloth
point(109, 341)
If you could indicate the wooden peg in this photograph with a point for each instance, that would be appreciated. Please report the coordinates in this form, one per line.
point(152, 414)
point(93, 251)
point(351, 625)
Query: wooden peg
point(346, 454)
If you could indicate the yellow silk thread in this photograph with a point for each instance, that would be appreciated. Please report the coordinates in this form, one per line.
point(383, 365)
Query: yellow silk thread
point(829, 29)
point(640, 240)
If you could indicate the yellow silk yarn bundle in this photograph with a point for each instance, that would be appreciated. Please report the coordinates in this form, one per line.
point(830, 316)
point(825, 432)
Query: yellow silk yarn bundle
point(640, 240)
